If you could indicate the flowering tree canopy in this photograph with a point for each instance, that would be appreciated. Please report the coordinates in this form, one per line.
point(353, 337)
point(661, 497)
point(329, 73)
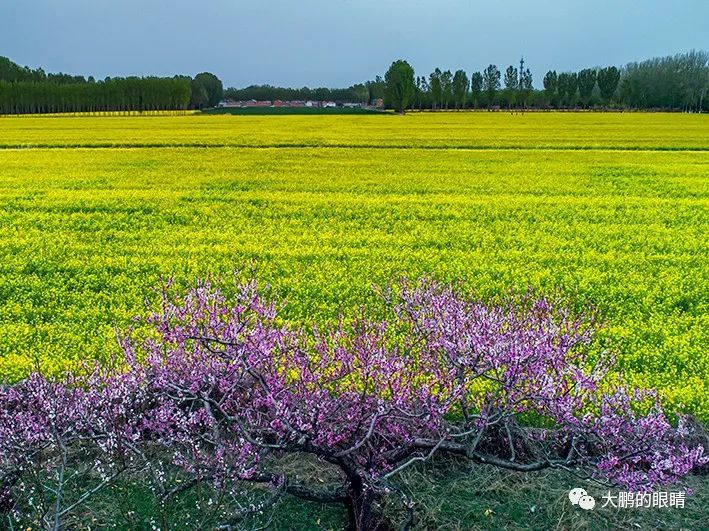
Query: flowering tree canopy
point(222, 391)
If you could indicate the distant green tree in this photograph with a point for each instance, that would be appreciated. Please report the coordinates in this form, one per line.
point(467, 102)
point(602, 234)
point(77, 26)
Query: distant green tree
point(476, 87)
point(400, 85)
point(675, 82)
point(586, 82)
point(436, 88)
point(551, 82)
point(491, 82)
point(461, 84)
point(562, 87)
point(447, 87)
point(426, 91)
point(572, 88)
point(360, 91)
point(421, 90)
point(511, 84)
point(608, 79)
point(212, 85)
point(526, 87)
point(567, 84)
point(322, 94)
point(199, 98)
point(377, 88)
point(12, 72)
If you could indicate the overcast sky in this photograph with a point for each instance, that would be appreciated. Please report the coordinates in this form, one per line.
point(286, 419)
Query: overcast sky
point(340, 42)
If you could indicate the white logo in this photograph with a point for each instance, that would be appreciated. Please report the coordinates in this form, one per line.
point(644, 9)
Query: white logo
point(581, 498)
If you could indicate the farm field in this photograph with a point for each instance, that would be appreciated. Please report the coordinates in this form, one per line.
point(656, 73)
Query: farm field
point(611, 208)
point(481, 130)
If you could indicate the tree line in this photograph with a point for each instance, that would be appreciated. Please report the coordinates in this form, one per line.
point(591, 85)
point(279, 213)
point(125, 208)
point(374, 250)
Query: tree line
point(446, 89)
point(356, 93)
point(676, 83)
point(24, 90)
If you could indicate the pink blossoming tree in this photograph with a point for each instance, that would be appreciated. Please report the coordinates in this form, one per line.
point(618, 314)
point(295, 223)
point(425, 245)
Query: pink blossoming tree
point(223, 392)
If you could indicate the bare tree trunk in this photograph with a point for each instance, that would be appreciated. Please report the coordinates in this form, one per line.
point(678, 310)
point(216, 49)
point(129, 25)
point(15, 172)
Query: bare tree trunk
point(360, 508)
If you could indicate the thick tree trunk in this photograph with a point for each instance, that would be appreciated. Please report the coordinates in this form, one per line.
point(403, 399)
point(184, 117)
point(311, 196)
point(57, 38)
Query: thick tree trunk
point(361, 510)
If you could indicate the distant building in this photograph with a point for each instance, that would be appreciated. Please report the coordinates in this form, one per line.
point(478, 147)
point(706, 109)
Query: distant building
point(379, 103)
point(254, 103)
point(313, 104)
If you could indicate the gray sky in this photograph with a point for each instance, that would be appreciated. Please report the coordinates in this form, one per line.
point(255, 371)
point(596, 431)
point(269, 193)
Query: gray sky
point(340, 42)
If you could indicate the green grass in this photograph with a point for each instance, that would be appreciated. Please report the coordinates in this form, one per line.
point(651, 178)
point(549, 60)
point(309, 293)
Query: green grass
point(446, 497)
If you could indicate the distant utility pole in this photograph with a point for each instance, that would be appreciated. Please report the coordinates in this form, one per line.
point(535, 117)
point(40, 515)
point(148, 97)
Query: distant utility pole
point(521, 72)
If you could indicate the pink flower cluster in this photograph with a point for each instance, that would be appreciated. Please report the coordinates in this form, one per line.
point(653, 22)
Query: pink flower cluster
point(222, 390)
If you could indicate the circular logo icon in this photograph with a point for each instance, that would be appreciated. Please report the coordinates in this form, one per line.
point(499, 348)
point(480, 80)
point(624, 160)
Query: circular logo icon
point(576, 494)
point(587, 502)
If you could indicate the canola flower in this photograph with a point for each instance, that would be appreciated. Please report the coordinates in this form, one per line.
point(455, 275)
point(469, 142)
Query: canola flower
point(610, 208)
point(482, 130)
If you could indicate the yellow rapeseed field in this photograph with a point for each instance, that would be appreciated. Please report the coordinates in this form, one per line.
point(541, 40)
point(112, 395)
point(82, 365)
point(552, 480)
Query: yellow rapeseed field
point(612, 208)
point(569, 130)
